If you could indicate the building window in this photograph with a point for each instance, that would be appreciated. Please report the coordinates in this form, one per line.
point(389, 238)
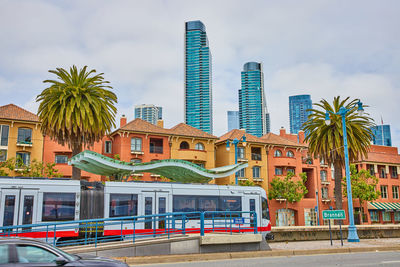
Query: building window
point(386, 216)
point(241, 173)
point(291, 170)
point(156, 145)
point(108, 147)
point(256, 153)
point(199, 146)
point(332, 172)
point(136, 161)
point(394, 171)
point(3, 155)
point(136, 144)
point(383, 174)
point(278, 153)
point(24, 136)
point(24, 158)
point(324, 193)
point(397, 216)
point(278, 171)
point(395, 191)
point(4, 129)
point(371, 169)
point(256, 172)
point(323, 176)
point(290, 154)
point(374, 216)
point(240, 152)
point(184, 145)
point(61, 159)
point(384, 191)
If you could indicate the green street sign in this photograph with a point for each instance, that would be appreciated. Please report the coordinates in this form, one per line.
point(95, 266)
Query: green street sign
point(333, 214)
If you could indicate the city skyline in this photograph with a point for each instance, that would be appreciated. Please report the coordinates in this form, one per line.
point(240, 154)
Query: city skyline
point(144, 62)
point(298, 111)
point(148, 112)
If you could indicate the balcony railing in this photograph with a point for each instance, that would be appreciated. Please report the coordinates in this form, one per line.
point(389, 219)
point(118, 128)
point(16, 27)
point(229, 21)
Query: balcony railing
point(24, 143)
point(255, 156)
point(156, 149)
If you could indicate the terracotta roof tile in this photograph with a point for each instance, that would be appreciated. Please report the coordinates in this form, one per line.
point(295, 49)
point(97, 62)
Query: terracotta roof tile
point(236, 133)
point(13, 112)
point(382, 157)
point(275, 139)
point(139, 125)
point(187, 130)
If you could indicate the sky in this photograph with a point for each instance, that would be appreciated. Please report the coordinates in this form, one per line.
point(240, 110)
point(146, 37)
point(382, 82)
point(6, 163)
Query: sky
point(322, 48)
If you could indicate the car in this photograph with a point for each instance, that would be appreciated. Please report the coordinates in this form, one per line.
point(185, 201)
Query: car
point(23, 252)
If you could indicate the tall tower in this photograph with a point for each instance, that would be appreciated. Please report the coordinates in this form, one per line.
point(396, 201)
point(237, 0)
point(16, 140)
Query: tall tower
point(252, 103)
point(149, 113)
point(381, 135)
point(233, 120)
point(198, 87)
point(298, 114)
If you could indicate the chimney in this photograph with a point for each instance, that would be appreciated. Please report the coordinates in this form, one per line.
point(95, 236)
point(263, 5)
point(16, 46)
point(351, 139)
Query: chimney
point(122, 121)
point(160, 123)
point(282, 131)
point(301, 137)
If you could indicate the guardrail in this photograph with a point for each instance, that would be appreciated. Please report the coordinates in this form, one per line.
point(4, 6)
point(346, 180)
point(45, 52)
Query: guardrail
point(133, 228)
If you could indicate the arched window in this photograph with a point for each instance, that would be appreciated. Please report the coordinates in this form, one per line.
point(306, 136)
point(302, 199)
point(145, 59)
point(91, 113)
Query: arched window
point(184, 145)
point(289, 154)
point(199, 146)
point(278, 153)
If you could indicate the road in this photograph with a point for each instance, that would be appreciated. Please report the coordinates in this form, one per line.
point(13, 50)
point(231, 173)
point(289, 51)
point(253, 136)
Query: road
point(386, 259)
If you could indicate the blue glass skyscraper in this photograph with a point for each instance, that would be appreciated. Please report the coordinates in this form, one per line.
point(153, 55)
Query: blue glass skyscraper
point(298, 114)
point(381, 135)
point(149, 113)
point(198, 88)
point(252, 103)
point(233, 120)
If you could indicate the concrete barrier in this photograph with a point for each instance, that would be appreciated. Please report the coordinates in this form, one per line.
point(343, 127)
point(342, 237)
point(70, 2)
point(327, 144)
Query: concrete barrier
point(309, 233)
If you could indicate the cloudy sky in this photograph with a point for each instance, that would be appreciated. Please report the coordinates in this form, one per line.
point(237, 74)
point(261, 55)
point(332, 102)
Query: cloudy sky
point(321, 48)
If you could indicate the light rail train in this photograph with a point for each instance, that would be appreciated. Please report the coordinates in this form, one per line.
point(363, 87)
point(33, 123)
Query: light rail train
point(36, 200)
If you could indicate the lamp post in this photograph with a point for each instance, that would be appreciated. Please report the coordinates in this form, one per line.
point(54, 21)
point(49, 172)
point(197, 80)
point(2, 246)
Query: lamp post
point(235, 142)
point(352, 234)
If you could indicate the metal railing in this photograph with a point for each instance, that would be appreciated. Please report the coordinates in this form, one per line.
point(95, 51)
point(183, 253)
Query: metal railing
point(94, 231)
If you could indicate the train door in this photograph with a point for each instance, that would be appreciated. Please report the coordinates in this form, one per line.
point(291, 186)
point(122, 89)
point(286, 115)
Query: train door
point(155, 203)
point(19, 206)
point(252, 203)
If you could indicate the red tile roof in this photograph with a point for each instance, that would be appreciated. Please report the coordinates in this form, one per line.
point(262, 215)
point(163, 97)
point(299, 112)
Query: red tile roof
point(236, 133)
point(13, 112)
point(139, 125)
point(187, 130)
point(275, 139)
point(382, 158)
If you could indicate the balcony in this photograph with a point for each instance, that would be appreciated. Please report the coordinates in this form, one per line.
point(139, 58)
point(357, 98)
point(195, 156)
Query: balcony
point(258, 179)
point(192, 155)
point(24, 144)
point(134, 152)
point(243, 179)
point(242, 160)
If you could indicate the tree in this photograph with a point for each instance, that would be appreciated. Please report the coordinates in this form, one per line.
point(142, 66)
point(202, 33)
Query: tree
point(326, 141)
point(34, 169)
point(363, 186)
point(288, 189)
point(77, 109)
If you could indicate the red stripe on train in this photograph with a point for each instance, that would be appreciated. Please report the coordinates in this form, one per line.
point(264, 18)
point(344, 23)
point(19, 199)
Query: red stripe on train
point(43, 234)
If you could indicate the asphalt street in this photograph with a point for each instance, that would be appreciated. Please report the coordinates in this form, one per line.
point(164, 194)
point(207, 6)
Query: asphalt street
point(386, 259)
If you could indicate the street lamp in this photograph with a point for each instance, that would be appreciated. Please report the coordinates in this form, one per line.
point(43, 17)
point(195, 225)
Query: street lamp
point(352, 234)
point(235, 142)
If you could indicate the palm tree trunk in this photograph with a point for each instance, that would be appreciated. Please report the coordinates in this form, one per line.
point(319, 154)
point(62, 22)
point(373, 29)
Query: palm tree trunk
point(338, 185)
point(76, 173)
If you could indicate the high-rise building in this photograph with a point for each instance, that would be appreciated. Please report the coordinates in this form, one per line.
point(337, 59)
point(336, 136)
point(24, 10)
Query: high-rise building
point(298, 111)
point(252, 103)
point(149, 113)
point(233, 120)
point(198, 87)
point(381, 135)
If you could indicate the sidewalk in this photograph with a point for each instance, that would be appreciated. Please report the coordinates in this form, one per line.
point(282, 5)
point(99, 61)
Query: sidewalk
point(279, 249)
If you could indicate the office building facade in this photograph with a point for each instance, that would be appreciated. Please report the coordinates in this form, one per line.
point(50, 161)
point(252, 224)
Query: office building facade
point(299, 106)
point(149, 113)
point(198, 82)
point(252, 103)
point(233, 120)
point(381, 135)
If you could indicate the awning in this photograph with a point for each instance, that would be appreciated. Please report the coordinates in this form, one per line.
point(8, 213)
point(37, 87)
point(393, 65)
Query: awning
point(384, 206)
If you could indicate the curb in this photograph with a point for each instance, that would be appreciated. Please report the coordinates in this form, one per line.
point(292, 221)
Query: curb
point(247, 254)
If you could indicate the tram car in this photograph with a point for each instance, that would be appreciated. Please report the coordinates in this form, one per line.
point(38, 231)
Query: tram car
point(36, 200)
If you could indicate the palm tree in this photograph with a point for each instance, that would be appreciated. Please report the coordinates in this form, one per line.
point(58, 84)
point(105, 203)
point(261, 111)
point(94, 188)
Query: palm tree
point(326, 141)
point(77, 109)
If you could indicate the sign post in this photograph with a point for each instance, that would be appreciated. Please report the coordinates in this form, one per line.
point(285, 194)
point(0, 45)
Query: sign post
point(334, 215)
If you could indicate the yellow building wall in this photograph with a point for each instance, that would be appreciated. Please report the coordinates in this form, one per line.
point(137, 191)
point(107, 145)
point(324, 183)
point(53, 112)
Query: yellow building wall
point(36, 150)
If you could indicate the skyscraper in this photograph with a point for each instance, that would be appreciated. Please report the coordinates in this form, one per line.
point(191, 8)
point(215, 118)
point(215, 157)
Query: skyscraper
point(233, 120)
point(381, 132)
point(252, 103)
point(298, 114)
point(198, 87)
point(149, 113)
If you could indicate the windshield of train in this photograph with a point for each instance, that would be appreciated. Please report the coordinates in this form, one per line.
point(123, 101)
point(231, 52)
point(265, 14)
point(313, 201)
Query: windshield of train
point(265, 209)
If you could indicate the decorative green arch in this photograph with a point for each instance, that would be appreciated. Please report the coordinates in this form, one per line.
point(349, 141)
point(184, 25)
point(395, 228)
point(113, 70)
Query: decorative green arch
point(174, 169)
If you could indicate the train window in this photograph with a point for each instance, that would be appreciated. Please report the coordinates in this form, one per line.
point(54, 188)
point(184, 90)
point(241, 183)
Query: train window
point(4, 254)
point(58, 207)
point(208, 203)
point(230, 203)
point(184, 203)
point(9, 208)
point(265, 209)
point(123, 205)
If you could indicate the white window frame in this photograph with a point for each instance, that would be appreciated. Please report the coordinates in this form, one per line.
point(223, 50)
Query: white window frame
point(395, 193)
point(108, 150)
point(1, 133)
point(256, 171)
point(384, 191)
point(135, 144)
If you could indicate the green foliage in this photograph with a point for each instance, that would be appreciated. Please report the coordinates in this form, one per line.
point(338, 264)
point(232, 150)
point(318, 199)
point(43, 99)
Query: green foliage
point(117, 157)
point(287, 188)
point(34, 169)
point(246, 183)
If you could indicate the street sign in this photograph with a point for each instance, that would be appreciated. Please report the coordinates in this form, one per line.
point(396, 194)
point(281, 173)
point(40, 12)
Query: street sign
point(333, 214)
point(239, 220)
